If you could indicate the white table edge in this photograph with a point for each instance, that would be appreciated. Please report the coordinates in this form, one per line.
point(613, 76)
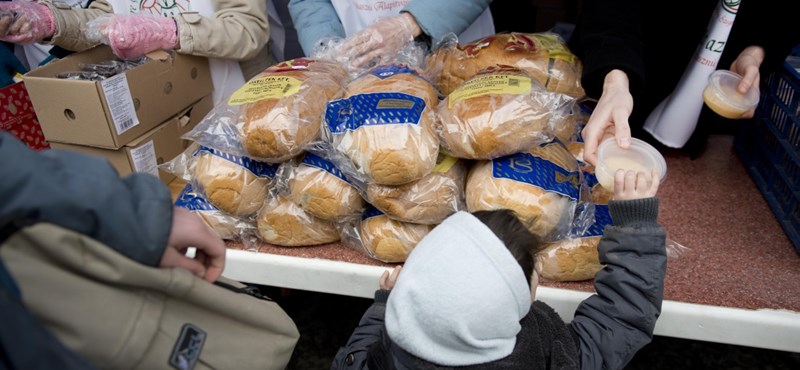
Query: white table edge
point(765, 328)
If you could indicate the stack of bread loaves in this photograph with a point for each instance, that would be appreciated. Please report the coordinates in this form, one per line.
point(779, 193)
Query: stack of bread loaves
point(545, 56)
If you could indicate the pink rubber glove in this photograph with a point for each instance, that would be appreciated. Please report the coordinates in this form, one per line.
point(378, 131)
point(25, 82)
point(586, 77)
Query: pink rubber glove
point(381, 40)
point(25, 22)
point(133, 36)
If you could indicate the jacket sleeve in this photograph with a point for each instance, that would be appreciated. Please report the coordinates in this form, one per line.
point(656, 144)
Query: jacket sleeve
point(132, 215)
point(615, 323)
point(238, 30)
point(608, 35)
point(369, 331)
point(313, 20)
point(438, 18)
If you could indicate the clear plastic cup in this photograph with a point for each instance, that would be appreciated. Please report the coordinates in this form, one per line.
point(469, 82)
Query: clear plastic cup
point(641, 156)
point(722, 97)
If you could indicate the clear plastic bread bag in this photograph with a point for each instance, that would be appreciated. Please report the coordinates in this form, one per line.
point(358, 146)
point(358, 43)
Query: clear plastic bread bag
point(319, 187)
point(274, 115)
point(500, 111)
point(543, 186)
point(283, 223)
point(428, 200)
point(381, 237)
point(384, 126)
point(226, 226)
point(544, 55)
point(235, 185)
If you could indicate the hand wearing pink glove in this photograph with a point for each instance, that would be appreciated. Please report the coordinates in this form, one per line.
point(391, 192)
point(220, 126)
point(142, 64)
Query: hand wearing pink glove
point(382, 39)
point(25, 22)
point(133, 36)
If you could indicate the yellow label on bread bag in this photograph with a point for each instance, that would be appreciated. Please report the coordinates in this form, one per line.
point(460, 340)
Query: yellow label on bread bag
point(444, 163)
point(490, 84)
point(268, 87)
point(555, 47)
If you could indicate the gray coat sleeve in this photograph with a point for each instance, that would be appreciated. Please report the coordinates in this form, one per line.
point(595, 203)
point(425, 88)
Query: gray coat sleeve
point(313, 20)
point(369, 331)
point(440, 17)
point(133, 215)
point(615, 323)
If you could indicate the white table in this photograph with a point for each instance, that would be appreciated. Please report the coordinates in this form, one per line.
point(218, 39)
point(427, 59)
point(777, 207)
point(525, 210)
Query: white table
point(770, 329)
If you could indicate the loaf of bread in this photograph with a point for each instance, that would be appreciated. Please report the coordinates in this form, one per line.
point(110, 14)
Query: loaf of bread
point(234, 184)
point(500, 111)
point(322, 190)
point(283, 223)
point(385, 125)
point(282, 107)
point(428, 200)
point(545, 56)
point(388, 240)
point(575, 258)
point(226, 226)
point(541, 186)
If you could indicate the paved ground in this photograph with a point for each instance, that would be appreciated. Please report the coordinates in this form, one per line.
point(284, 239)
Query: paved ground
point(325, 322)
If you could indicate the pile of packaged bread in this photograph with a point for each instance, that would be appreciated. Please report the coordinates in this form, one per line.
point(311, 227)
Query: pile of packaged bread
point(311, 152)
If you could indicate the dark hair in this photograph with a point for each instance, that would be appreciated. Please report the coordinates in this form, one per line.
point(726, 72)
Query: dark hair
point(512, 232)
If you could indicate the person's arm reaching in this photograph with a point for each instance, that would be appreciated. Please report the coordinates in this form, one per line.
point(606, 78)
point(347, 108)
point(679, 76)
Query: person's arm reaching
point(615, 323)
point(438, 18)
point(314, 20)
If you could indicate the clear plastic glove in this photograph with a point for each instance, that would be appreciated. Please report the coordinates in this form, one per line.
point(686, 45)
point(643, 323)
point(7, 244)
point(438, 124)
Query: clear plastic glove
point(189, 230)
point(25, 22)
point(747, 65)
point(133, 36)
point(381, 40)
point(610, 116)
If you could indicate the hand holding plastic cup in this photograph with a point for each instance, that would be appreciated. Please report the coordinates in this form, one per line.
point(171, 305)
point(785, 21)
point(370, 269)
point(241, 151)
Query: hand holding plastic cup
point(640, 157)
point(724, 99)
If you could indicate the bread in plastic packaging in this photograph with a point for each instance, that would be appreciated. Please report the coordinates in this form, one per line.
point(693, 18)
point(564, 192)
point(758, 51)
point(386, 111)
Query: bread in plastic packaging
point(577, 258)
point(385, 125)
point(385, 239)
point(500, 111)
point(545, 56)
point(281, 222)
point(428, 200)
point(226, 226)
point(288, 114)
point(322, 190)
point(542, 186)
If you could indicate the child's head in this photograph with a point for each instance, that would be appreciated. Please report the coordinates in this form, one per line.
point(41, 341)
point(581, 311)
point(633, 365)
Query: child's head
point(462, 293)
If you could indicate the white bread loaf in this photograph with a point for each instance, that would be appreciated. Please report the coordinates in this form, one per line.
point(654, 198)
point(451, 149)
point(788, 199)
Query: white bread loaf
point(321, 189)
point(283, 223)
point(541, 186)
point(235, 185)
point(385, 125)
point(388, 240)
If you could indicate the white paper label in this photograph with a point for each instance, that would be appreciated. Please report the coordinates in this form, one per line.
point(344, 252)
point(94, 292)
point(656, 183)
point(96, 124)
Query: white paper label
point(144, 159)
point(118, 97)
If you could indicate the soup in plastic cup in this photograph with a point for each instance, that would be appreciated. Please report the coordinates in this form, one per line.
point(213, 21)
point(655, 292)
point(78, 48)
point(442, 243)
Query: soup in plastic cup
point(722, 97)
point(641, 156)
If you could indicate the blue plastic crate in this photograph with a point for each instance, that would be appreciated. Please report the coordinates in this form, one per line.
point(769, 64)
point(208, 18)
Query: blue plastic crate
point(769, 147)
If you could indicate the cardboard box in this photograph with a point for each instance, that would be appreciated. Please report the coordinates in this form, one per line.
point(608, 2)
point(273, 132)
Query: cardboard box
point(155, 147)
point(18, 117)
point(113, 112)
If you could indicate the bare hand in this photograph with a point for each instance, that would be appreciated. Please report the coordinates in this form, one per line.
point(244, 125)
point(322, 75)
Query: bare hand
point(747, 65)
point(610, 116)
point(189, 230)
point(388, 280)
point(635, 185)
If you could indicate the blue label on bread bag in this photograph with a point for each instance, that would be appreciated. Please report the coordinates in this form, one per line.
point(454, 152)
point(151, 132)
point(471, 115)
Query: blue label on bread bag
point(530, 169)
point(389, 70)
point(373, 109)
point(591, 179)
point(316, 161)
point(602, 217)
point(370, 211)
point(193, 201)
point(260, 169)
